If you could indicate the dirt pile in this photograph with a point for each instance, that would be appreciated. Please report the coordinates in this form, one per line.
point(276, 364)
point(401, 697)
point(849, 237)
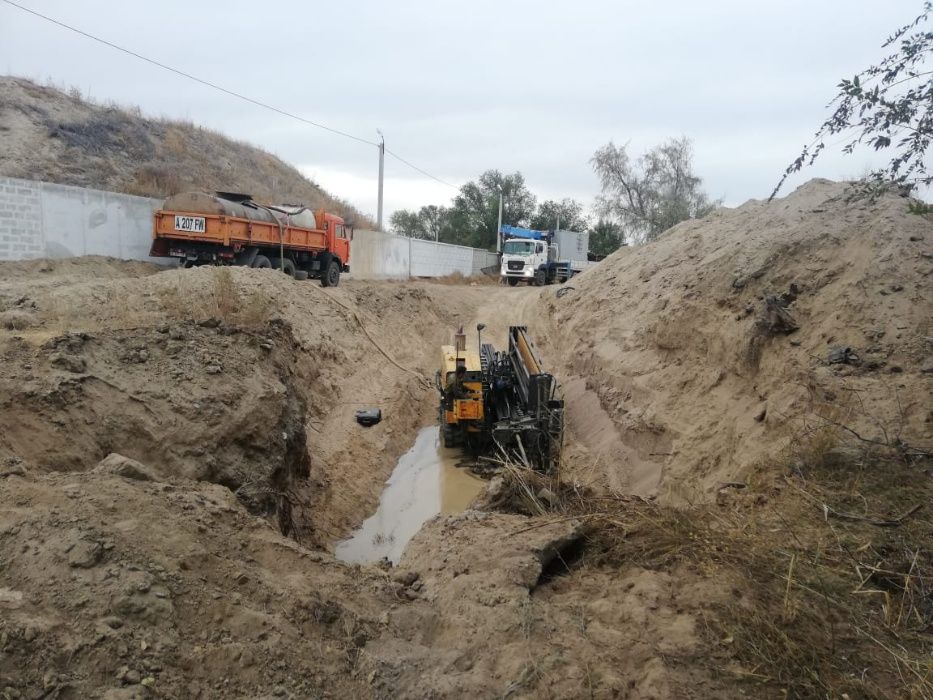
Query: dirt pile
point(122, 588)
point(57, 137)
point(689, 360)
point(245, 379)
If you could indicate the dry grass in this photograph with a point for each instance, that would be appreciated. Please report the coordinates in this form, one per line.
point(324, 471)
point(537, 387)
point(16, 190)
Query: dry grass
point(831, 557)
point(109, 147)
point(222, 300)
point(17, 320)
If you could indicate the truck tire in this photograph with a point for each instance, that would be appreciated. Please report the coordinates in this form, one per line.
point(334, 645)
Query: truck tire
point(261, 262)
point(512, 281)
point(539, 278)
point(331, 276)
point(301, 274)
point(288, 268)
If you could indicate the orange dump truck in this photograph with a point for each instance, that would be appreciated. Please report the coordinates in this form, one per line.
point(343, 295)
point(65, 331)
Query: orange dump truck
point(231, 229)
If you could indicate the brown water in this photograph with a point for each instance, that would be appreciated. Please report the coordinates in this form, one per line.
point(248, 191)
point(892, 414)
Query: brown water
point(425, 482)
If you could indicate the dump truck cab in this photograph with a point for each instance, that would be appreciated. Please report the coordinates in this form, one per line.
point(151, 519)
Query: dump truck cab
point(462, 415)
point(339, 234)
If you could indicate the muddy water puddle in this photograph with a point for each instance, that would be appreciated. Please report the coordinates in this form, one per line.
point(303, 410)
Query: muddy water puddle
point(426, 482)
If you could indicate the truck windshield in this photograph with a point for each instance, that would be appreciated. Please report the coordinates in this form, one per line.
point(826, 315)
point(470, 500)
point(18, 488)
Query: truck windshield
point(518, 248)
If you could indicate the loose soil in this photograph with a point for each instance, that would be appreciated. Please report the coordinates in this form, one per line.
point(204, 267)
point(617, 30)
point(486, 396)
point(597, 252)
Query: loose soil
point(736, 512)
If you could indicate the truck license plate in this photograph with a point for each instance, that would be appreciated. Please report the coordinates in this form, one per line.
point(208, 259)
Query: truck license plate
point(191, 224)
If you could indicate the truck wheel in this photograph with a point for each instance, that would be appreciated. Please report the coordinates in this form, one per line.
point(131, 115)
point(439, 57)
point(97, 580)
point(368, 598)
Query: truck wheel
point(289, 267)
point(261, 262)
point(539, 278)
point(449, 439)
point(512, 281)
point(331, 276)
point(301, 274)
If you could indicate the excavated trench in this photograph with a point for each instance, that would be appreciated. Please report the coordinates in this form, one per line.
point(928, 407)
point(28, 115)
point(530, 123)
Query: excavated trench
point(426, 482)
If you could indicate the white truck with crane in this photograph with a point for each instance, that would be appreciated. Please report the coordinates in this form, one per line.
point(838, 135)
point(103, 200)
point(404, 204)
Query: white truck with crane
point(541, 257)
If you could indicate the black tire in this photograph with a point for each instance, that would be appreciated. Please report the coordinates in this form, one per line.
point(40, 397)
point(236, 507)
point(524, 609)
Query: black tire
point(512, 281)
point(261, 262)
point(301, 274)
point(289, 267)
point(331, 276)
point(539, 278)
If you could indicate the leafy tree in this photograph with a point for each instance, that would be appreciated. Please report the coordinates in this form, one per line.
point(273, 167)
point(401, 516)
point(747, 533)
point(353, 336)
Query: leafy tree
point(606, 237)
point(475, 210)
point(435, 222)
point(568, 211)
point(886, 106)
point(430, 222)
point(406, 223)
point(649, 195)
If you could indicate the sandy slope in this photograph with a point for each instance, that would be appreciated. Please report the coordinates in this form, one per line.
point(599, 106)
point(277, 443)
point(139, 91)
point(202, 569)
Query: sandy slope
point(692, 392)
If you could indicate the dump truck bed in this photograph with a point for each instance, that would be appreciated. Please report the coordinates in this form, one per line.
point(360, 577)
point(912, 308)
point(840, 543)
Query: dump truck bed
point(234, 231)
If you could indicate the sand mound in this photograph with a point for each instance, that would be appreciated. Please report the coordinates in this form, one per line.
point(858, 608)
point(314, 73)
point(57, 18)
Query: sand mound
point(698, 378)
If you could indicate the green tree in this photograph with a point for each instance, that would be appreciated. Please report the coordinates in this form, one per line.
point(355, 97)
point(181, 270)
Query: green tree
point(649, 195)
point(405, 222)
point(606, 237)
point(430, 222)
point(569, 212)
point(475, 211)
point(886, 106)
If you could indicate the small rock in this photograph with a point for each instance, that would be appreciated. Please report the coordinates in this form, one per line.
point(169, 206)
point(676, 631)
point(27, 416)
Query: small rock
point(895, 287)
point(406, 578)
point(85, 555)
point(547, 496)
point(842, 356)
point(927, 368)
point(132, 677)
point(761, 415)
point(115, 463)
point(213, 369)
point(69, 363)
point(113, 622)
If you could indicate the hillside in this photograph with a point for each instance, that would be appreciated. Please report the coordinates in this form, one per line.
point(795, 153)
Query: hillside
point(57, 137)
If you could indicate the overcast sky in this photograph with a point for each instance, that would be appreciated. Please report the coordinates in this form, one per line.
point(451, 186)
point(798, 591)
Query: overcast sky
point(461, 87)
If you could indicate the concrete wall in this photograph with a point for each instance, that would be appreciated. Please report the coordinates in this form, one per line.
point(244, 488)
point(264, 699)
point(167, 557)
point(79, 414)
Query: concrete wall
point(44, 220)
point(384, 255)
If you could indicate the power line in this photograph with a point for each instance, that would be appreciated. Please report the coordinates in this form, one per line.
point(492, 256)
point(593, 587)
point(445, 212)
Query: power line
point(189, 76)
point(214, 86)
point(415, 167)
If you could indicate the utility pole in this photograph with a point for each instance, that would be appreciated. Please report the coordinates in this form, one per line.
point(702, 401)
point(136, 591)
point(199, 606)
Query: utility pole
point(382, 160)
point(499, 225)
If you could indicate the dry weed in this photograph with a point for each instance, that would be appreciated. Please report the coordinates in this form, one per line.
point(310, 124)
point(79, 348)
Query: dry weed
point(830, 554)
point(222, 300)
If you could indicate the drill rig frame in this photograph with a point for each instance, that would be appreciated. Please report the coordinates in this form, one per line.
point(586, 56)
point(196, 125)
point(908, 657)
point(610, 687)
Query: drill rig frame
point(522, 418)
